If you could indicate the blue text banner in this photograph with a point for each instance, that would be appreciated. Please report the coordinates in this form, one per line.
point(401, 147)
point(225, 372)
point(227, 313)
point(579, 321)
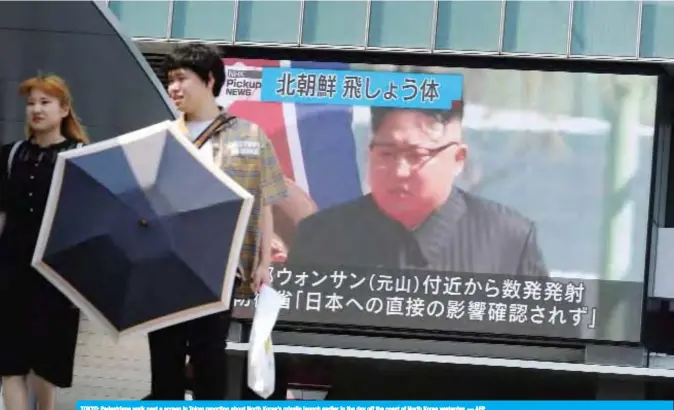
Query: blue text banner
point(361, 88)
point(371, 405)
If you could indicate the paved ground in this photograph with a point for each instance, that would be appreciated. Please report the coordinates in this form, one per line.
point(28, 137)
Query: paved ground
point(105, 370)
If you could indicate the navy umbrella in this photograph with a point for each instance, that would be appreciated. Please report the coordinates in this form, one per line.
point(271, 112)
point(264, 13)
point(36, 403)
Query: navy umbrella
point(140, 233)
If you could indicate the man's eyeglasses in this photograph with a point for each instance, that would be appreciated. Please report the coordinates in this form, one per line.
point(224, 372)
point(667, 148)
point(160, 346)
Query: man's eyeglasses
point(387, 155)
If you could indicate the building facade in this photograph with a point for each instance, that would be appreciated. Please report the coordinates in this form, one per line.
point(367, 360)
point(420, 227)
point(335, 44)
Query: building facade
point(624, 38)
point(549, 40)
point(614, 30)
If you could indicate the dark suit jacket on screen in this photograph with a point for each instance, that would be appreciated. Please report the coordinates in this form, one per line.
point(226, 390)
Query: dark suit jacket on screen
point(467, 234)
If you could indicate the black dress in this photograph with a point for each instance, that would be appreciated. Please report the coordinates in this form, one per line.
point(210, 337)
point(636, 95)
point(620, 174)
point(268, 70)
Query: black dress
point(38, 324)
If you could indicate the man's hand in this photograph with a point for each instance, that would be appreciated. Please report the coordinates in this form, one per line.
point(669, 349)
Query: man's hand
point(261, 277)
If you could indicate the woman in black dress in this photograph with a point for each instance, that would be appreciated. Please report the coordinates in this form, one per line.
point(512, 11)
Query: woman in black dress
point(39, 325)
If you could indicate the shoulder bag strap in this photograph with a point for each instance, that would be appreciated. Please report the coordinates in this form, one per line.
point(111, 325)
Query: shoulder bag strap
point(220, 123)
point(12, 154)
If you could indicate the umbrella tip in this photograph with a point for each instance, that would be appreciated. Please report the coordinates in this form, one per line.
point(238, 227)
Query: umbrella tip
point(143, 222)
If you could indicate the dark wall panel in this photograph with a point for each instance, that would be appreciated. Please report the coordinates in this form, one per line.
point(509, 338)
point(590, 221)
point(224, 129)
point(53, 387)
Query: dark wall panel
point(114, 88)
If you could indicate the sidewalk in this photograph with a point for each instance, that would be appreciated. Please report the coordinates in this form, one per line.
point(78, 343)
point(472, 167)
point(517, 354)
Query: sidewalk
point(105, 370)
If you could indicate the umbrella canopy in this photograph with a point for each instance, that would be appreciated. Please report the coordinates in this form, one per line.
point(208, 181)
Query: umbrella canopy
point(140, 233)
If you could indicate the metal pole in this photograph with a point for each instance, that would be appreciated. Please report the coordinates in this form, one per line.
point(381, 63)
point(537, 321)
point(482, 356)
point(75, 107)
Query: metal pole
point(569, 32)
point(622, 157)
point(622, 161)
point(300, 29)
point(501, 26)
point(640, 18)
point(434, 26)
point(169, 23)
point(235, 23)
point(368, 17)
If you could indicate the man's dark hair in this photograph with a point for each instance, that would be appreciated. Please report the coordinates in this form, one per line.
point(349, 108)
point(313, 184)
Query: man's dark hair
point(200, 59)
point(378, 114)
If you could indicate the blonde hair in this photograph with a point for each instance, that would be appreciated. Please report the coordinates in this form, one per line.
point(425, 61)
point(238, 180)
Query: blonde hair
point(56, 87)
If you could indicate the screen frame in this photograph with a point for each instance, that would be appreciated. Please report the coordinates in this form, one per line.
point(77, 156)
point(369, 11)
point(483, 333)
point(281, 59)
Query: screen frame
point(571, 65)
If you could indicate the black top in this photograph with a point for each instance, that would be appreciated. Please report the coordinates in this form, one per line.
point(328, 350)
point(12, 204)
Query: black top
point(24, 191)
point(40, 334)
point(467, 234)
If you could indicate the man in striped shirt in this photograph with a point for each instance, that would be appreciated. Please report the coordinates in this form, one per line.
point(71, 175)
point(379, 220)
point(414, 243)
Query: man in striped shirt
point(196, 75)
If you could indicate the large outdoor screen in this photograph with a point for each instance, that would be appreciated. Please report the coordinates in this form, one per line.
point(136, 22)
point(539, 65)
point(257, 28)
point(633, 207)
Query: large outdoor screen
point(456, 200)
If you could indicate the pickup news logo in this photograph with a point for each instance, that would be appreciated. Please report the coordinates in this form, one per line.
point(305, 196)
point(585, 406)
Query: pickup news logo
point(242, 83)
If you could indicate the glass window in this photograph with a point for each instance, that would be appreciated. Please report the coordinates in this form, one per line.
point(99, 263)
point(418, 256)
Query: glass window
point(605, 28)
point(142, 18)
point(205, 20)
point(538, 27)
point(656, 30)
point(268, 21)
point(401, 24)
point(324, 22)
point(468, 25)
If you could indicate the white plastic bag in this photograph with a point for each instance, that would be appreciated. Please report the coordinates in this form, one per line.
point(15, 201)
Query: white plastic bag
point(261, 368)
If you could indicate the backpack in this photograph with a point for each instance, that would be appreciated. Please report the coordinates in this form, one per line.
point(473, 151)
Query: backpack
point(10, 159)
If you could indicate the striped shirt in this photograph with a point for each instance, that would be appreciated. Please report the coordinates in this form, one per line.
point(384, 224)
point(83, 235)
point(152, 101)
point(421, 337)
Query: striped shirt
point(245, 153)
